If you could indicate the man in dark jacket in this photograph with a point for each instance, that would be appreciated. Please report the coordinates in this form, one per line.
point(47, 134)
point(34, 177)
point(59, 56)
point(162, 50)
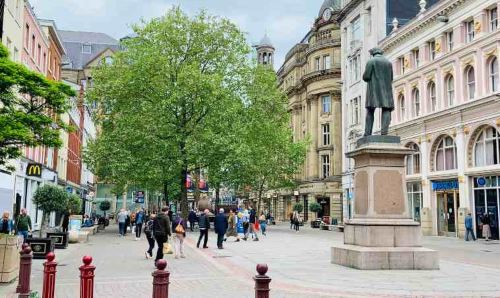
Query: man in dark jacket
point(220, 225)
point(253, 220)
point(204, 224)
point(161, 229)
point(192, 219)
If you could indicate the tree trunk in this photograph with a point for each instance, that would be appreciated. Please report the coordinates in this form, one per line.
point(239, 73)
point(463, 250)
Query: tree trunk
point(165, 193)
point(217, 197)
point(184, 199)
point(42, 225)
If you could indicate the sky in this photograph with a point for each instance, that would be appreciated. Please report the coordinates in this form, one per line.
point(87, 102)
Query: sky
point(285, 21)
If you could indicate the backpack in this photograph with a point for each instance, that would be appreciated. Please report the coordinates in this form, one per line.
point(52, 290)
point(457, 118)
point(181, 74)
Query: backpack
point(148, 228)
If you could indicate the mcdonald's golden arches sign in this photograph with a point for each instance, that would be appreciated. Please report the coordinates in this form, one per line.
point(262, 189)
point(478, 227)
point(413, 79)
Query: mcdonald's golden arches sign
point(34, 169)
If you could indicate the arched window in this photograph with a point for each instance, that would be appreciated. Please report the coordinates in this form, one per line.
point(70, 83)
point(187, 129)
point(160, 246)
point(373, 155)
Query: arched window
point(470, 79)
point(487, 147)
point(493, 74)
point(446, 154)
point(415, 96)
point(402, 109)
point(450, 90)
point(431, 93)
point(413, 160)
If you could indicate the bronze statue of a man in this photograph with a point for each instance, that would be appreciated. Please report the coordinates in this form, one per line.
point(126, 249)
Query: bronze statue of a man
point(378, 76)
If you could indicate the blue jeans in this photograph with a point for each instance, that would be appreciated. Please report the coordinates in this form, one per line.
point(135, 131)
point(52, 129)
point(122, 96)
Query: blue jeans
point(471, 232)
point(121, 228)
point(23, 233)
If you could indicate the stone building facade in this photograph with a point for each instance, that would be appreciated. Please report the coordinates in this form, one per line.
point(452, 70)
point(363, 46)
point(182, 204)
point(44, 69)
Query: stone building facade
point(310, 77)
point(446, 91)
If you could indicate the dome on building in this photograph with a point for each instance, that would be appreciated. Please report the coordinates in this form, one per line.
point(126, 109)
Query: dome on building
point(265, 42)
point(334, 4)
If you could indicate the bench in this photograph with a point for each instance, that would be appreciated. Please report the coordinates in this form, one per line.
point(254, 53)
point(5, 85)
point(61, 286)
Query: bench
point(92, 229)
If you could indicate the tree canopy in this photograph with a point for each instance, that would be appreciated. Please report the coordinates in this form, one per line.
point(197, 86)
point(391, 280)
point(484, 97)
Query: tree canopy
point(29, 108)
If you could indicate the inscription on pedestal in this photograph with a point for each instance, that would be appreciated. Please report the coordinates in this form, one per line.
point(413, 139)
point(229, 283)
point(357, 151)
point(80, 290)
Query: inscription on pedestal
point(389, 196)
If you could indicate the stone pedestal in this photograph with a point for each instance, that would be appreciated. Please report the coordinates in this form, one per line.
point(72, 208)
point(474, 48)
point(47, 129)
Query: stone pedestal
point(382, 234)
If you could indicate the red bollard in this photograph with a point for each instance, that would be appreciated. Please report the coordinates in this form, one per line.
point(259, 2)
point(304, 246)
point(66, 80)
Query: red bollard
point(23, 287)
point(87, 278)
point(49, 276)
point(160, 280)
point(19, 280)
point(262, 282)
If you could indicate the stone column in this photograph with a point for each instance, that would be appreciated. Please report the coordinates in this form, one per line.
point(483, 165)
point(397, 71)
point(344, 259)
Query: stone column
point(480, 24)
point(336, 133)
point(313, 130)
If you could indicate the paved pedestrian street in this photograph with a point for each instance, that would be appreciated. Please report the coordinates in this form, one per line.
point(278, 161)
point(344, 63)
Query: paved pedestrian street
point(299, 265)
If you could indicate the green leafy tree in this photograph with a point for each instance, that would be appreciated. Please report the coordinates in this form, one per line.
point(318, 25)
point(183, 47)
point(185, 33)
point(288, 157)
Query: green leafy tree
point(298, 207)
point(105, 206)
point(176, 85)
point(50, 198)
point(315, 208)
point(29, 108)
point(74, 205)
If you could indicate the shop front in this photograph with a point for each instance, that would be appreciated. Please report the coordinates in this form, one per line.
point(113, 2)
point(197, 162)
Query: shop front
point(447, 202)
point(487, 200)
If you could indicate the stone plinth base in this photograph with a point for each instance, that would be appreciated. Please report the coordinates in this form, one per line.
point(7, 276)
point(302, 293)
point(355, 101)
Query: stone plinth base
point(385, 258)
point(383, 233)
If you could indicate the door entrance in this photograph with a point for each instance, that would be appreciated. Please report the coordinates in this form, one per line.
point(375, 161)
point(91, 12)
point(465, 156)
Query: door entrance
point(448, 204)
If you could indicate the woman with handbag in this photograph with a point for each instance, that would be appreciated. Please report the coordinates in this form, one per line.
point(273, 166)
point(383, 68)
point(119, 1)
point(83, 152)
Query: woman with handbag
point(263, 223)
point(148, 230)
point(179, 226)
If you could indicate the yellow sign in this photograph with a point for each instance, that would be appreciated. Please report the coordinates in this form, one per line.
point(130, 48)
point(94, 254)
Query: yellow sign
point(34, 169)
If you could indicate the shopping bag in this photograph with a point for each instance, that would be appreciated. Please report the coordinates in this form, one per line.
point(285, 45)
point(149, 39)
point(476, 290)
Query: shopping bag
point(133, 230)
point(256, 226)
point(179, 229)
point(167, 248)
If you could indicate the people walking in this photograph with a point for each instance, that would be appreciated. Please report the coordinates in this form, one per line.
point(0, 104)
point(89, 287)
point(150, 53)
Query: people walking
point(122, 222)
point(263, 223)
point(246, 224)
point(204, 225)
point(292, 223)
point(485, 220)
point(139, 220)
point(179, 227)
point(148, 231)
point(127, 223)
point(220, 227)
point(296, 220)
point(468, 227)
point(252, 220)
point(232, 229)
point(192, 219)
point(23, 224)
point(161, 228)
point(6, 224)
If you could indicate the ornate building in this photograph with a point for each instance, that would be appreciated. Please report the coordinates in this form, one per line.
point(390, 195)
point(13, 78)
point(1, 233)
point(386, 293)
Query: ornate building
point(446, 91)
point(310, 77)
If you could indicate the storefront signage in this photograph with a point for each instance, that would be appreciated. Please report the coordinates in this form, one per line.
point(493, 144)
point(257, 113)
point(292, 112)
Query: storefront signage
point(444, 185)
point(481, 181)
point(34, 170)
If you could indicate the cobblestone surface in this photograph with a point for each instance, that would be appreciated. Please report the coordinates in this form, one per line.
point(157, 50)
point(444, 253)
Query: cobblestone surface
point(299, 264)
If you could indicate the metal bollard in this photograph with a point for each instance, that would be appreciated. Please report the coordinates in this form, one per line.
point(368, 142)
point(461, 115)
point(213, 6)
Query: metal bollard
point(262, 282)
point(23, 288)
point(160, 280)
point(49, 276)
point(87, 278)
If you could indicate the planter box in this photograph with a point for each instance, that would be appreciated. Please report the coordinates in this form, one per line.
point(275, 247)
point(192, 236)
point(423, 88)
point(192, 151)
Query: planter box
point(60, 239)
point(40, 246)
point(9, 257)
point(315, 224)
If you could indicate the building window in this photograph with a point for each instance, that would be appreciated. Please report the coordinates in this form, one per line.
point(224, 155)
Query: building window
point(401, 62)
point(317, 63)
point(450, 90)
point(446, 154)
point(355, 110)
point(449, 41)
point(487, 147)
point(493, 18)
point(326, 134)
point(326, 103)
point(355, 68)
point(27, 37)
point(369, 20)
point(431, 93)
point(33, 46)
point(414, 190)
point(432, 50)
point(493, 74)
point(415, 96)
point(39, 55)
point(326, 62)
point(325, 162)
point(44, 61)
point(355, 29)
point(87, 49)
point(402, 109)
point(469, 31)
point(416, 57)
point(471, 82)
point(413, 160)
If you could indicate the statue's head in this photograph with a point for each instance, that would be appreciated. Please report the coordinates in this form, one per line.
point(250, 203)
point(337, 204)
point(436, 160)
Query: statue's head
point(376, 51)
